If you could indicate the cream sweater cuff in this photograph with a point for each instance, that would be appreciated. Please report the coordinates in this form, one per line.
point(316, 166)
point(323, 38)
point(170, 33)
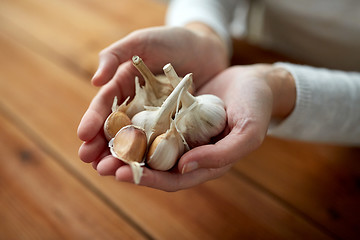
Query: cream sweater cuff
point(327, 106)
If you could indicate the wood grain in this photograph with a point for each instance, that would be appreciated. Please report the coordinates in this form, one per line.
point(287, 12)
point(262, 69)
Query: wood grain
point(321, 181)
point(284, 190)
point(73, 32)
point(41, 200)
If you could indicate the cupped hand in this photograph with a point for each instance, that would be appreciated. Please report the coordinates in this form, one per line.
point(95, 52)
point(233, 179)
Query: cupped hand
point(249, 100)
point(188, 50)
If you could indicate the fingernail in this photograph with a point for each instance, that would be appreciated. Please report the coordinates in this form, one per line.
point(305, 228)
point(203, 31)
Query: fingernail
point(189, 167)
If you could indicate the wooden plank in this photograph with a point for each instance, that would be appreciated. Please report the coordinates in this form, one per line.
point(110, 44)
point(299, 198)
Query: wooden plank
point(76, 30)
point(40, 200)
point(320, 180)
point(47, 101)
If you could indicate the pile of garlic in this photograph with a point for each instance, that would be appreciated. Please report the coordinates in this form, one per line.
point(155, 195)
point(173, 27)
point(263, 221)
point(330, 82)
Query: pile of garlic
point(162, 121)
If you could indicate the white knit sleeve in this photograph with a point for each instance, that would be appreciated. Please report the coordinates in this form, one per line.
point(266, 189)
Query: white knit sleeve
point(217, 14)
point(327, 106)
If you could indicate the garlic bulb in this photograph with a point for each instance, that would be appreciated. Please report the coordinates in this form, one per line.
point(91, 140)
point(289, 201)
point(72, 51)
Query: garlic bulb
point(201, 117)
point(165, 150)
point(115, 121)
point(156, 120)
point(129, 145)
point(166, 120)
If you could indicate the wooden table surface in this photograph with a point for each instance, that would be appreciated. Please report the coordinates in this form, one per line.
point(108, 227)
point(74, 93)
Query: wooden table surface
point(49, 51)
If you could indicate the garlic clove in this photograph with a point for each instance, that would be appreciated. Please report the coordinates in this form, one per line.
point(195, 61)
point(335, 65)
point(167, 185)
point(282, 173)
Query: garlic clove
point(165, 150)
point(115, 121)
point(129, 144)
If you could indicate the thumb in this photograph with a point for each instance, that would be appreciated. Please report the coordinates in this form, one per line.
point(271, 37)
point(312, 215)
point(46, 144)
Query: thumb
point(225, 152)
point(113, 56)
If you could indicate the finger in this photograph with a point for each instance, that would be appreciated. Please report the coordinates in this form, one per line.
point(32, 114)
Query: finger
point(99, 109)
point(125, 79)
point(116, 54)
point(225, 152)
point(96, 162)
point(108, 64)
point(112, 57)
point(169, 181)
point(122, 86)
point(108, 165)
point(90, 151)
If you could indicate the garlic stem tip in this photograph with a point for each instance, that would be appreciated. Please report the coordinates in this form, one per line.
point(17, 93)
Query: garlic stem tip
point(167, 67)
point(189, 75)
point(136, 59)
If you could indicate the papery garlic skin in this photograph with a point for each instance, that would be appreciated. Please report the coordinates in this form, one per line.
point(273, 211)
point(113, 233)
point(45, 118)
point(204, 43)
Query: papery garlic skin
point(202, 120)
point(154, 92)
point(156, 121)
point(159, 85)
point(165, 150)
point(143, 97)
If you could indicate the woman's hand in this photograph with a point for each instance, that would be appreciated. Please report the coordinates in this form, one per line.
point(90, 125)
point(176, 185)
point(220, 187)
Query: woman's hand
point(252, 96)
point(193, 49)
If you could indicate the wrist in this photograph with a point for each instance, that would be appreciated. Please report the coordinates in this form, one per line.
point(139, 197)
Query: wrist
point(283, 89)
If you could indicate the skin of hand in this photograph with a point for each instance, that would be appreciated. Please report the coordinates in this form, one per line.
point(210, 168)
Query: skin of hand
point(253, 95)
point(194, 48)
